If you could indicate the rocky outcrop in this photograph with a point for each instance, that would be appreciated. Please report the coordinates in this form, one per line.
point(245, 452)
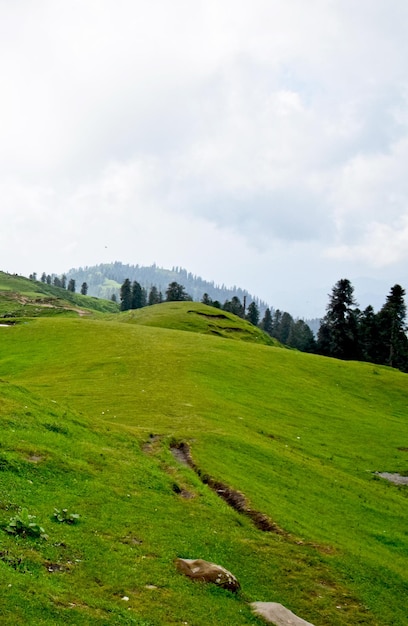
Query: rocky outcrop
point(277, 614)
point(208, 573)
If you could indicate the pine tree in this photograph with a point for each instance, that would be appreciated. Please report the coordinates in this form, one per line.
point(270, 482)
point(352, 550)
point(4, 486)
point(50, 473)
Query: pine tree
point(71, 285)
point(266, 323)
point(154, 297)
point(84, 289)
point(370, 342)
point(392, 329)
point(176, 292)
point(338, 332)
point(253, 314)
point(126, 296)
point(301, 337)
point(137, 296)
point(234, 306)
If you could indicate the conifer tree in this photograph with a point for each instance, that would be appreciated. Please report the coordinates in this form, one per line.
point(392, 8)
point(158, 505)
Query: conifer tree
point(338, 332)
point(266, 323)
point(154, 297)
point(392, 329)
point(137, 296)
point(71, 285)
point(253, 314)
point(176, 292)
point(126, 296)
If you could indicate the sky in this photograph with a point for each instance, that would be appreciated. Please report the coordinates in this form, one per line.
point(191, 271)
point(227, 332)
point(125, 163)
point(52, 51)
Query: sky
point(261, 144)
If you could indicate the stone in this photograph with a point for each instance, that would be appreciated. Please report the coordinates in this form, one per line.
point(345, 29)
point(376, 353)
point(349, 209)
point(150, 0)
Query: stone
point(204, 571)
point(277, 614)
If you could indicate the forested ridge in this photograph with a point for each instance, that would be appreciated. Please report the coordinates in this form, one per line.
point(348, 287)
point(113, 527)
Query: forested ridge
point(345, 331)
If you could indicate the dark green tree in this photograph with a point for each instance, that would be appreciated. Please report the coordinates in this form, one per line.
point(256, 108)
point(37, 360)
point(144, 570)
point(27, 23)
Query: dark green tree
point(71, 285)
point(84, 289)
point(43, 277)
point(154, 296)
point(138, 296)
point(301, 337)
point(206, 299)
point(126, 295)
point(253, 314)
point(266, 323)
point(63, 281)
point(234, 306)
point(282, 329)
point(392, 329)
point(369, 337)
point(338, 332)
point(176, 292)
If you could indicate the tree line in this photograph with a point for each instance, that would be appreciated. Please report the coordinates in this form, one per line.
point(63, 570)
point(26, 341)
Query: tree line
point(346, 332)
point(280, 325)
point(60, 281)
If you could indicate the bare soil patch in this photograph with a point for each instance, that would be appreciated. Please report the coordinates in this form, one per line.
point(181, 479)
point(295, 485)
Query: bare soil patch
point(235, 499)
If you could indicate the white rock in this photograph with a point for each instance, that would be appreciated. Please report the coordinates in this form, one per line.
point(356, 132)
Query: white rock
point(277, 614)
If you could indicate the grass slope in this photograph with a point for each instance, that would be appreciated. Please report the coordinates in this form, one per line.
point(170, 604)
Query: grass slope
point(302, 436)
point(21, 297)
point(199, 318)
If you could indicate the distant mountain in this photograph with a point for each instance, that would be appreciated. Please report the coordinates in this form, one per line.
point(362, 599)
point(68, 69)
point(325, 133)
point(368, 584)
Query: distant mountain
point(105, 279)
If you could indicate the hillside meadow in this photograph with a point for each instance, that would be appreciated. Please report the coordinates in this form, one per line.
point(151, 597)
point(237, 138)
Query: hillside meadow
point(90, 407)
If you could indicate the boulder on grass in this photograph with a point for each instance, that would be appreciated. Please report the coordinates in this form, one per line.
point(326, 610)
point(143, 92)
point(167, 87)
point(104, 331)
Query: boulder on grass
point(277, 614)
point(208, 573)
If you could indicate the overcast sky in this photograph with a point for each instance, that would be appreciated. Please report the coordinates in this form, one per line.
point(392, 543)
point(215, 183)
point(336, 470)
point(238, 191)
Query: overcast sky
point(259, 143)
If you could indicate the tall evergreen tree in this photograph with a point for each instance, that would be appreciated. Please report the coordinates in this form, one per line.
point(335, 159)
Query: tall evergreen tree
point(370, 342)
point(253, 314)
point(176, 292)
point(282, 329)
point(138, 300)
point(126, 295)
point(392, 329)
point(266, 322)
point(206, 299)
point(71, 285)
point(154, 297)
point(338, 332)
point(84, 289)
point(234, 306)
point(301, 337)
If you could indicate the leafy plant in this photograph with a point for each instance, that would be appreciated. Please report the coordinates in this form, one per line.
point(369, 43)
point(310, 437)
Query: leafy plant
point(64, 515)
point(24, 524)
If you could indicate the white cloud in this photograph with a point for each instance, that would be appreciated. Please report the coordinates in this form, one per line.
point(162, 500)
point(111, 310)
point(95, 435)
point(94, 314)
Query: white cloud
point(276, 131)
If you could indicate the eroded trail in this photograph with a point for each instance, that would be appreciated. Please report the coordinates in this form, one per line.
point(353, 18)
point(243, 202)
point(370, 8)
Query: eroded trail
point(235, 499)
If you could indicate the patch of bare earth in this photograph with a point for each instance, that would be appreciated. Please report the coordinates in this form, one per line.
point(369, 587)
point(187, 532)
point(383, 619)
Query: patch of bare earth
point(235, 499)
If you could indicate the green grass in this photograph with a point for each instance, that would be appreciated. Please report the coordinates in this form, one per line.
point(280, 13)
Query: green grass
point(198, 318)
point(88, 411)
point(22, 298)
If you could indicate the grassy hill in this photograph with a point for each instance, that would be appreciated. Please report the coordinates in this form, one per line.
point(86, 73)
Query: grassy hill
point(21, 297)
point(90, 410)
